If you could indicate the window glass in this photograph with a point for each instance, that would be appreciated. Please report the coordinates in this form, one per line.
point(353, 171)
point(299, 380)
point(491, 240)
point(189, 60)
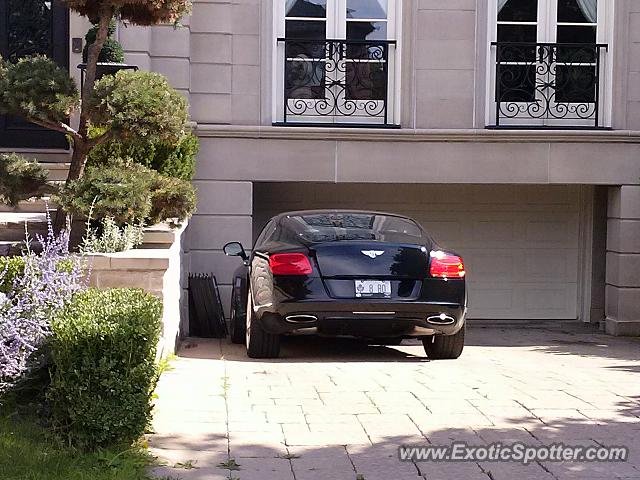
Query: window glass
point(306, 8)
point(366, 30)
point(302, 29)
point(369, 9)
point(518, 11)
point(574, 11)
point(517, 33)
point(576, 34)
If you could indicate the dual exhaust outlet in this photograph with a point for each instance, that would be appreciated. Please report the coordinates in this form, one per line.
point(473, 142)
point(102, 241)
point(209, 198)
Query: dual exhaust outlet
point(442, 319)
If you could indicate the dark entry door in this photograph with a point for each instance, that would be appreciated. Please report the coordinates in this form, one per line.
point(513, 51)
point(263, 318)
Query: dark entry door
point(29, 27)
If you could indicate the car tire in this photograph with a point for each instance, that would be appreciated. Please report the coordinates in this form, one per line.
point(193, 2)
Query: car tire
point(237, 322)
point(260, 344)
point(444, 347)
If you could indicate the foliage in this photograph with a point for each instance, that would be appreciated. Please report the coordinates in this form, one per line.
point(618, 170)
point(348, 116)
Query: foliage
point(48, 282)
point(139, 105)
point(10, 269)
point(112, 51)
point(172, 159)
point(20, 179)
point(27, 452)
point(129, 104)
point(138, 12)
point(109, 191)
point(38, 89)
point(172, 199)
point(110, 238)
point(128, 194)
point(103, 351)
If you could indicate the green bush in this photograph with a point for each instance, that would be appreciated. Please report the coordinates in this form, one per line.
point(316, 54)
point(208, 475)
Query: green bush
point(20, 179)
point(104, 371)
point(109, 191)
point(129, 194)
point(172, 159)
point(10, 268)
point(171, 199)
point(112, 51)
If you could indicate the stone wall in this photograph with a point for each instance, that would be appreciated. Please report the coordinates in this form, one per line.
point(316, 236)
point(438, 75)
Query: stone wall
point(623, 261)
point(160, 271)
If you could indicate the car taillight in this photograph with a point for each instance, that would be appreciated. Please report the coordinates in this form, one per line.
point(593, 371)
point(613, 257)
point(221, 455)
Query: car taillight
point(444, 265)
point(290, 264)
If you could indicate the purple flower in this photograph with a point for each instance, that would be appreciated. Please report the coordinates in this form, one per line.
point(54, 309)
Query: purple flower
point(49, 280)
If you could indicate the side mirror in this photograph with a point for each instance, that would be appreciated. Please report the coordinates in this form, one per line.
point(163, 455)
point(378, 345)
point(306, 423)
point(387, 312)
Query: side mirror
point(235, 249)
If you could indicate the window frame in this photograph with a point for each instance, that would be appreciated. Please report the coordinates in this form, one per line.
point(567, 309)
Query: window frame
point(336, 22)
point(547, 28)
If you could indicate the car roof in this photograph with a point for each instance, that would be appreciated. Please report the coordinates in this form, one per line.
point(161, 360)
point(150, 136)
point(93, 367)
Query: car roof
point(337, 211)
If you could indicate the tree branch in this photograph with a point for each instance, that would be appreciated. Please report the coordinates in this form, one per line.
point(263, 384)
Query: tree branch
point(57, 126)
point(101, 139)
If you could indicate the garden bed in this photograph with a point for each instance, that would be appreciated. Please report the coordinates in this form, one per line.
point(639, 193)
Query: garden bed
point(158, 270)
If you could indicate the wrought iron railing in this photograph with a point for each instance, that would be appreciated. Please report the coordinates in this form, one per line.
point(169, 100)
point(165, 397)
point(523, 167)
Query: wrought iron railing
point(336, 82)
point(548, 85)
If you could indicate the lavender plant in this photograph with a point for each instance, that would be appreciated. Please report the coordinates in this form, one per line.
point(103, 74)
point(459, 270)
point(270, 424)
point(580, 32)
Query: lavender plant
point(49, 281)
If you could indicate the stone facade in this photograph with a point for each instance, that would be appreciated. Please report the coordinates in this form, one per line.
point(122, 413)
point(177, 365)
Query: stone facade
point(222, 60)
point(623, 261)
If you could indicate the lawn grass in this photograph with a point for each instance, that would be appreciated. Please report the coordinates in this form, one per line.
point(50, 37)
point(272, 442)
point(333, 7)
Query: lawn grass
point(27, 453)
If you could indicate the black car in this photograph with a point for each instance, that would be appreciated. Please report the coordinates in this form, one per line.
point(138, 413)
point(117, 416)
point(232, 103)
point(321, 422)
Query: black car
point(371, 275)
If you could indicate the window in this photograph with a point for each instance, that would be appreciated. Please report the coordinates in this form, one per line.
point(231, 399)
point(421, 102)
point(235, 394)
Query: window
point(548, 63)
point(336, 62)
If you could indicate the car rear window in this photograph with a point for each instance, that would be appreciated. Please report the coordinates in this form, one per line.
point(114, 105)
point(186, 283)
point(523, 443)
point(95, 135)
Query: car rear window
point(354, 226)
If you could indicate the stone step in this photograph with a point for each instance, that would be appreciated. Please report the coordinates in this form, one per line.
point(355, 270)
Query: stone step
point(34, 205)
point(13, 225)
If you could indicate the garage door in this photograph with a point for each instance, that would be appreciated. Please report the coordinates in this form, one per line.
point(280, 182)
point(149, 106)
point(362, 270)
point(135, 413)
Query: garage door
point(520, 243)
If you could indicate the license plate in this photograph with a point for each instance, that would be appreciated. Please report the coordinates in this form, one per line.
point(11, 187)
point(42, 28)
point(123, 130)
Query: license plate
point(373, 288)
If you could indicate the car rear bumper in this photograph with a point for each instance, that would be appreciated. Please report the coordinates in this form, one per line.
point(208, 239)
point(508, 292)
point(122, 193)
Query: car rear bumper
point(371, 319)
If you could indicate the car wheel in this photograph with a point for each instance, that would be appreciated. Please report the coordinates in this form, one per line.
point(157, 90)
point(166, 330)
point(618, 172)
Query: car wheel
point(237, 322)
point(260, 344)
point(442, 347)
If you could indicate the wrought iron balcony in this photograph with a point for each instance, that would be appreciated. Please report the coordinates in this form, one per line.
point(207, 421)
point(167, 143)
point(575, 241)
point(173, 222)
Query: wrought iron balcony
point(548, 85)
point(336, 82)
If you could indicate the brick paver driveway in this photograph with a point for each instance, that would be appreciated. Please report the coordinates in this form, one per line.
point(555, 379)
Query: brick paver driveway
point(339, 409)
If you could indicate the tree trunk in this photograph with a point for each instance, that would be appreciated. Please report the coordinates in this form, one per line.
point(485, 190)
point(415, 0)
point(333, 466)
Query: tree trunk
point(78, 160)
point(80, 146)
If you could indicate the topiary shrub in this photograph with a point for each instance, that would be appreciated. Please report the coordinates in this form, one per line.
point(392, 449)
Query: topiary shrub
point(172, 159)
point(104, 371)
point(112, 51)
point(129, 194)
point(171, 199)
point(20, 179)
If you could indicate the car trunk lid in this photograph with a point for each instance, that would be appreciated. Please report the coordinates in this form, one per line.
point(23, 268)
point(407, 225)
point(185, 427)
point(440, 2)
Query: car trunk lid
point(362, 260)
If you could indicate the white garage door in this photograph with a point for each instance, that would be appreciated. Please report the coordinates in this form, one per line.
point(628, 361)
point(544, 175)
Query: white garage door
point(520, 243)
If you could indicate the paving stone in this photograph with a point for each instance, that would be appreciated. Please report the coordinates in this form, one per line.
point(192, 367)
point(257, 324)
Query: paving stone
point(537, 386)
point(213, 473)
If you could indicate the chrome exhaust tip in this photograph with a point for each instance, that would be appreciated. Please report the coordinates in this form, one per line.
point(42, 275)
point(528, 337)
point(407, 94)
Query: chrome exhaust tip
point(442, 319)
point(301, 318)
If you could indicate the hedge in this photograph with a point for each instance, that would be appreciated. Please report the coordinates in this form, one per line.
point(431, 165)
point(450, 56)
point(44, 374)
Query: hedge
point(104, 371)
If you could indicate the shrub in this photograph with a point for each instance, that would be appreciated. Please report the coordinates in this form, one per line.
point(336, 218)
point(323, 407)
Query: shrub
point(103, 354)
point(46, 283)
point(128, 194)
point(112, 51)
point(38, 89)
point(110, 238)
point(172, 159)
point(172, 199)
point(20, 179)
point(110, 191)
point(137, 104)
point(10, 268)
